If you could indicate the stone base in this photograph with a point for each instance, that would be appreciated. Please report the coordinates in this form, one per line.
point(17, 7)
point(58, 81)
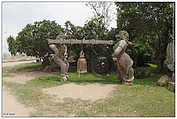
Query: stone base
point(127, 83)
point(171, 86)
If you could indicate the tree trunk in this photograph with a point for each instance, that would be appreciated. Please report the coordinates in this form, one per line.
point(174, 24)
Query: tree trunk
point(161, 52)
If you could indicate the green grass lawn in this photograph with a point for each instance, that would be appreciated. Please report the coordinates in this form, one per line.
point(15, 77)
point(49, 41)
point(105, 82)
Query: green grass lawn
point(143, 98)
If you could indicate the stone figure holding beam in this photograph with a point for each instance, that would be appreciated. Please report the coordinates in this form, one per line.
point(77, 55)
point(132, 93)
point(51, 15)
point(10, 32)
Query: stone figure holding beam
point(124, 62)
point(60, 58)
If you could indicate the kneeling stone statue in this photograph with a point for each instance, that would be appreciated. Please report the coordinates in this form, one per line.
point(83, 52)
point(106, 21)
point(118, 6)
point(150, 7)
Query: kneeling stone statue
point(124, 62)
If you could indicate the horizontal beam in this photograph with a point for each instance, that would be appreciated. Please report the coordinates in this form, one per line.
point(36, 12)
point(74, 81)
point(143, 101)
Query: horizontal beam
point(75, 41)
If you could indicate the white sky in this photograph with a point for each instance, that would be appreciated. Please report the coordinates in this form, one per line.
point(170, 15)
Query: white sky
point(16, 15)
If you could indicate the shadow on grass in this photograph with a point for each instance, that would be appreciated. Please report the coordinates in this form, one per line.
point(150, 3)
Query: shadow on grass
point(151, 80)
point(111, 79)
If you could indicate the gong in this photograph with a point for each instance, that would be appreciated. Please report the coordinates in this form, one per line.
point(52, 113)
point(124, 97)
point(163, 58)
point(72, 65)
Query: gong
point(100, 66)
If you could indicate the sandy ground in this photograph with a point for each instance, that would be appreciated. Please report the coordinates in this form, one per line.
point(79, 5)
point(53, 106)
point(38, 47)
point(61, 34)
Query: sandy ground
point(85, 92)
point(25, 76)
point(16, 58)
point(11, 107)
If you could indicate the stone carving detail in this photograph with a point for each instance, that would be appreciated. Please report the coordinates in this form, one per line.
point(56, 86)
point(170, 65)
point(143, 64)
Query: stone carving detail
point(60, 58)
point(124, 62)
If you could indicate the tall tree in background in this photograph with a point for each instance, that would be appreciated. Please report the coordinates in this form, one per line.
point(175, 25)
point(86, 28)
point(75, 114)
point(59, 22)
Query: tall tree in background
point(102, 9)
point(12, 45)
point(32, 40)
point(149, 25)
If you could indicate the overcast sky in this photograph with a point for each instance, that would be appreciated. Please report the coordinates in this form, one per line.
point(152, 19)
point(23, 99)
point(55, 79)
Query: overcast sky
point(17, 14)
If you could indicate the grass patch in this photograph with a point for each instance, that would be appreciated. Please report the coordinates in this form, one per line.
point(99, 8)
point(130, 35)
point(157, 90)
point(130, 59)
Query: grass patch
point(90, 78)
point(7, 70)
point(25, 94)
point(28, 66)
point(45, 82)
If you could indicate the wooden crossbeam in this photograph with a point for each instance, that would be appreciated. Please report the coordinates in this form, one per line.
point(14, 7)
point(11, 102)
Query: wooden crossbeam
point(75, 41)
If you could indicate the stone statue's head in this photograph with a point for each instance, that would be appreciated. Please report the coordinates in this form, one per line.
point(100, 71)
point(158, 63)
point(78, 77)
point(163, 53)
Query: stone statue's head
point(61, 36)
point(53, 47)
point(123, 35)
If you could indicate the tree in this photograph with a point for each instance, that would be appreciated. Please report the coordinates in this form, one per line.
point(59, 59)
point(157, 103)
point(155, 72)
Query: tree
point(149, 25)
point(12, 45)
point(73, 32)
point(101, 9)
point(32, 40)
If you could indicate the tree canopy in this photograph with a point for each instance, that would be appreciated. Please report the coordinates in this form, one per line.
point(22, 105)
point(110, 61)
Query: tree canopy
point(32, 39)
point(12, 45)
point(149, 26)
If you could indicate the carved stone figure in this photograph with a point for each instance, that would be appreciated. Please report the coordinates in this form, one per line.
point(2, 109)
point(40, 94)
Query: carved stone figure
point(60, 58)
point(124, 62)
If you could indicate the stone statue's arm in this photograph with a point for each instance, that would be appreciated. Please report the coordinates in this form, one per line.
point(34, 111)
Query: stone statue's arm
point(65, 53)
point(117, 52)
point(119, 48)
point(130, 43)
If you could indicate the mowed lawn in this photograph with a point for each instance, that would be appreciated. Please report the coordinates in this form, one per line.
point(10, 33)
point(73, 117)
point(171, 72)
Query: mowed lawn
point(143, 99)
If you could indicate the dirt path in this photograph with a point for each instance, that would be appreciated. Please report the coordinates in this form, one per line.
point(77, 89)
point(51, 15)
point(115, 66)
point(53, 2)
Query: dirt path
point(23, 77)
point(11, 107)
point(12, 64)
